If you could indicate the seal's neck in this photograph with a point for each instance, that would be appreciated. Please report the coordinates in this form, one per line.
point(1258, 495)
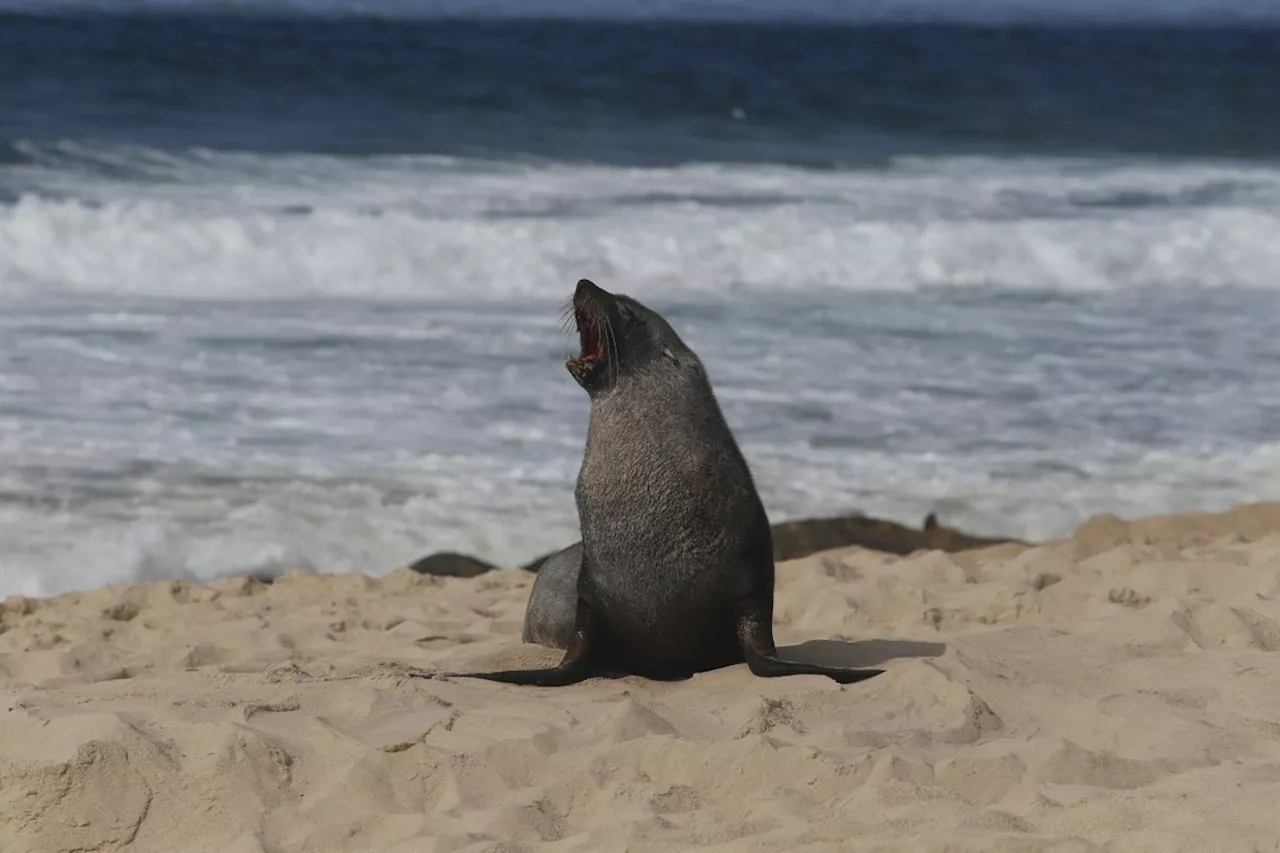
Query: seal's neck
point(654, 390)
point(655, 408)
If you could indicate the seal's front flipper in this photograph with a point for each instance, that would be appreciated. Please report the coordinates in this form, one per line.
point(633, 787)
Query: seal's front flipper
point(756, 636)
point(576, 665)
point(568, 672)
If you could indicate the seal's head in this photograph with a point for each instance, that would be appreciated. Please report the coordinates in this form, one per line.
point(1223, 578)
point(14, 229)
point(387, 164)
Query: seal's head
point(621, 338)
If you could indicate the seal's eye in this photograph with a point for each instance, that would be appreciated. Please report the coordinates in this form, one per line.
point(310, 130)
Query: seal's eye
point(628, 317)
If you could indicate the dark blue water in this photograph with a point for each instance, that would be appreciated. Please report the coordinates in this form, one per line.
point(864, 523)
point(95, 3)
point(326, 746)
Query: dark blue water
point(637, 92)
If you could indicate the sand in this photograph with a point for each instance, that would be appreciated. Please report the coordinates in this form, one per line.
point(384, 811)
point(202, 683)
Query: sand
point(1117, 691)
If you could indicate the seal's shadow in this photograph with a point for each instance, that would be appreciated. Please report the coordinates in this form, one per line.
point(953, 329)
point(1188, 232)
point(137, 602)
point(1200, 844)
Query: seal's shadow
point(858, 654)
point(855, 654)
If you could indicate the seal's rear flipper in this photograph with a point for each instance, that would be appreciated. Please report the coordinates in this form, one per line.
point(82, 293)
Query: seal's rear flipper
point(770, 666)
point(755, 635)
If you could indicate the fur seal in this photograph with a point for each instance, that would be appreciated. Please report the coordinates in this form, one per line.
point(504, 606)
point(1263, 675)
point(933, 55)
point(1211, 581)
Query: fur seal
point(676, 570)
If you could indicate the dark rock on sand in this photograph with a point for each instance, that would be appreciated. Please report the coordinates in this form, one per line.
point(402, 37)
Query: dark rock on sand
point(795, 539)
point(791, 540)
point(451, 565)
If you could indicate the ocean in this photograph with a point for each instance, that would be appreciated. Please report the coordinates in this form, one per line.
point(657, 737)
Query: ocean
point(280, 285)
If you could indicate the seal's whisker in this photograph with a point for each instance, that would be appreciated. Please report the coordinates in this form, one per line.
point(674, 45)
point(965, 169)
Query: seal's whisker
point(567, 330)
point(568, 325)
point(567, 309)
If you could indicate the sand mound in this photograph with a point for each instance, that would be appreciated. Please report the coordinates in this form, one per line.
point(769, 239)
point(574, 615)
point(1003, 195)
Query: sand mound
point(1116, 691)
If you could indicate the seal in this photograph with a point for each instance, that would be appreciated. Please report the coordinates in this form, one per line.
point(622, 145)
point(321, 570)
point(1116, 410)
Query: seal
point(675, 571)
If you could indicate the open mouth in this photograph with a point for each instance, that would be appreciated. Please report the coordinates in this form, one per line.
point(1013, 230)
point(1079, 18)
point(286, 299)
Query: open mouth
point(592, 345)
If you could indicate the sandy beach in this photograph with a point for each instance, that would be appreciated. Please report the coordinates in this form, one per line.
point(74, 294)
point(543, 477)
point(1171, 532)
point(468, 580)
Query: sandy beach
point(1117, 690)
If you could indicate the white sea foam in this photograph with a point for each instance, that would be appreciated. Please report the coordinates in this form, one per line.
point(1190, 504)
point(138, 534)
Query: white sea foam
point(222, 226)
point(199, 373)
